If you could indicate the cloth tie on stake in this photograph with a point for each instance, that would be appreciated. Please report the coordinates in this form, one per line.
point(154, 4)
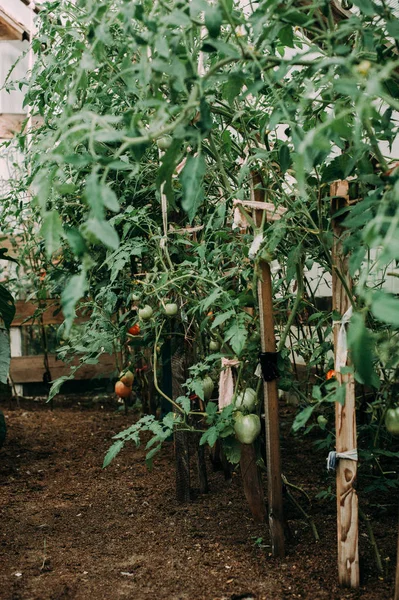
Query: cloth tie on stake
point(341, 358)
point(226, 382)
point(341, 354)
point(333, 458)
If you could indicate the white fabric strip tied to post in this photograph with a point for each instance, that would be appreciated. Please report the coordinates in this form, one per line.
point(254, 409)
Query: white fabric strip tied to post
point(333, 458)
point(341, 353)
point(226, 382)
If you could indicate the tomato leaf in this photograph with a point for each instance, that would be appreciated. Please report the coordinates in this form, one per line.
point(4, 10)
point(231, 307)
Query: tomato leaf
point(7, 306)
point(385, 307)
point(191, 179)
point(51, 231)
point(5, 355)
point(112, 452)
point(237, 336)
point(361, 344)
point(302, 418)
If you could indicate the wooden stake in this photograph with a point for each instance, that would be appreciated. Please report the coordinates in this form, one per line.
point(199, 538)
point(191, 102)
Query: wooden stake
point(397, 575)
point(345, 416)
point(252, 482)
point(268, 344)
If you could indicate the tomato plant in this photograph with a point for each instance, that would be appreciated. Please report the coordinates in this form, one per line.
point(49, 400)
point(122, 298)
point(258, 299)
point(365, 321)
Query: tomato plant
point(222, 92)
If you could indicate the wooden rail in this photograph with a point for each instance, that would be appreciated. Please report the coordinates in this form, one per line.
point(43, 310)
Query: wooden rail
point(31, 368)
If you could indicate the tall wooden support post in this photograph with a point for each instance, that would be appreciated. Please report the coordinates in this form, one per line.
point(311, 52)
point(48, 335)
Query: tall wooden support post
point(397, 574)
point(181, 442)
point(268, 344)
point(345, 416)
point(252, 482)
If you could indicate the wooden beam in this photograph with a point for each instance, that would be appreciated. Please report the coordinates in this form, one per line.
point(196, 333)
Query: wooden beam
point(11, 124)
point(268, 344)
point(25, 311)
point(30, 369)
point(252, 482)
point(10, 29)
point(345, 416)
point(396, 597)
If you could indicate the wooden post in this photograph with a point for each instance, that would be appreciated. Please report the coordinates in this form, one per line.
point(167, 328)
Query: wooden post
point(397, 574)
point(268, 344)
point(345, 416)
point(252, 482)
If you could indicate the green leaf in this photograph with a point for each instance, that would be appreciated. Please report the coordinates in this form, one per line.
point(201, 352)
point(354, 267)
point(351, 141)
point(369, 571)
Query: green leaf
point(184, 402)
point(104, 232)
point(191, 179)
point(210, 436)
point(284, 158)
point(213, 20)
point(385, 307)
point(237, 335)
point(361, 344)
point(7, 306)
point(150, 455)
point(211, 299)
point(76, 241)
point(112, 452)
point(233, 87)
point(366, 6)
point(51, 231)
point(302, 418)
point(338, 168)
point(72, 293)
point(221, 318)
point(393, 28)
point(109, 198)
point(4, 355)
point(232, 450)
point(57, 384)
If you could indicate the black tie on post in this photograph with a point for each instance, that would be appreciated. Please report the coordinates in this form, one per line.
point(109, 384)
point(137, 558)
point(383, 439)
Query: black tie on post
point(268, 363)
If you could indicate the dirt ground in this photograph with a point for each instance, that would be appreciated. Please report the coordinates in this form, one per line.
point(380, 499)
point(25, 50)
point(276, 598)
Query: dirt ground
point(70, 530)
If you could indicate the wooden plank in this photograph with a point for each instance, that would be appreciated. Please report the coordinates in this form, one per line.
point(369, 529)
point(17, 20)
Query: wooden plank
point(252, 482)
point(11, 123)
point(10, 29)
point(268, 344)
point(396, 597)
point(30, 369)
point(24, 313)
point(345, 416)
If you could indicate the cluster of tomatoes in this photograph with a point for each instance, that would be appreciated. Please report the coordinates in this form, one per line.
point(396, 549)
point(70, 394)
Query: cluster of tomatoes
point(123, 387)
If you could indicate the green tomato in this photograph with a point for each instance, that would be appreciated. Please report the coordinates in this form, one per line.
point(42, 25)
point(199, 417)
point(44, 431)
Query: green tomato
point(208, 387)
point(145, 313)
point(247, 427)
point(135, 297)
point(246, 400)
point(322, 421)
point(214, 345)
point(392, 420)
point(171, 309)
point(164, 142)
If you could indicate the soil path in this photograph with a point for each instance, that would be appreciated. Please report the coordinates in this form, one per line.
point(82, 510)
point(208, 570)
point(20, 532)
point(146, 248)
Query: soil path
point(70, 530)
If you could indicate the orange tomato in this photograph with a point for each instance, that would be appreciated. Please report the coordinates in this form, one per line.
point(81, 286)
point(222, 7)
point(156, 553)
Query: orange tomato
point(134, 329)
point(122, 390)
point(330, 374)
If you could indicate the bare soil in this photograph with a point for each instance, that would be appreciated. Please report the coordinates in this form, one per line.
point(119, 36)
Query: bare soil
point(70, 530)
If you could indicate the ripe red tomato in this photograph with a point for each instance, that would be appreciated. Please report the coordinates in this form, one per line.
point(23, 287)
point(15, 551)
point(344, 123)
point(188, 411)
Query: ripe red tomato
point(134, 329)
